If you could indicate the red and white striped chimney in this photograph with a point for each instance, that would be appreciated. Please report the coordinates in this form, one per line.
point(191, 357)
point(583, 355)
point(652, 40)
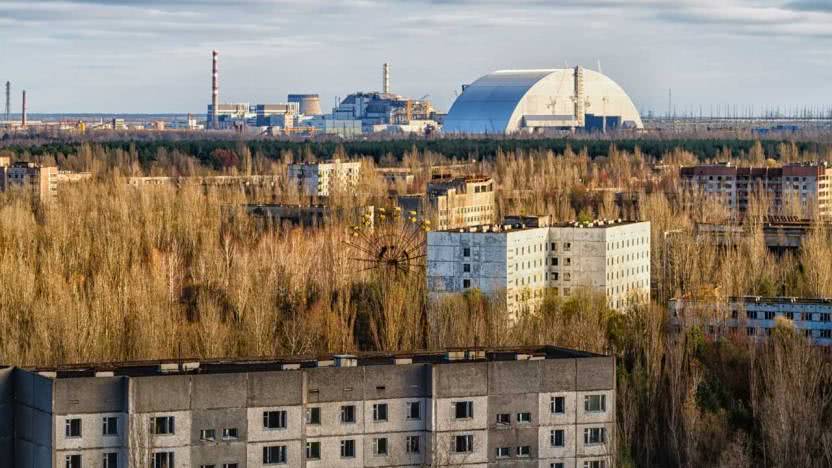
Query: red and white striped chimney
point(215, 92)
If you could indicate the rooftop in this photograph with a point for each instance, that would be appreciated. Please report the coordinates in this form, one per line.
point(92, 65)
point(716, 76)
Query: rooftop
point(762, 300)
point(266, 364)
point(511, 227)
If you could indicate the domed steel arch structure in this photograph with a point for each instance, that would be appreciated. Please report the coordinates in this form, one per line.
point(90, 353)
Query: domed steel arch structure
point(511, 101)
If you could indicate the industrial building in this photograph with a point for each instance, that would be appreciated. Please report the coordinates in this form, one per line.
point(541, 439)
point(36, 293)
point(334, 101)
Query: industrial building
point(214, 181)
point(780, 233)
point(530, 406)
point(454, 202)
point(322, 178)
point(512, 101)
point(755, 317)
point(42, 181)
point(276, 214)
point(518, 261)
point(793, 187)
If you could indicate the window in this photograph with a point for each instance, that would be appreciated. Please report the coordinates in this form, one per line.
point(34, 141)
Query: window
point(524, 417)
point(380, 446)
point(348, 448)
point(466, 268)
point(595, 403)
point(163, 460)
point(162, 425)
point(567, 261)
point(229, 465)
point(554, 261)
point(567, 246)
point(466, 252)
point(466, 283)
point(769, 315)
point(524, 451)
point(554, 247)
point(464, 409)
point(557, 405)
point(556, 437)
point(274, 419)
point(595, 435)
point(230, 433)
point(73, 427)
point(412, 444)
point(73, 461)
point(207, 434)
point(503, 452)
point(313, 450)
point(274, 455)
point(503, 419)
point(463, 443)
point(110, 426)
point(556, 465)
point(110, 460)
point(595, 464)
point(313, 416)
point(347, 414)
point(414, 410)
point(380, 412)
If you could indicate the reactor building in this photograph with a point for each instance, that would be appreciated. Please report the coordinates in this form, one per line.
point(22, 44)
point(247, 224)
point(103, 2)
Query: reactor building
point(514, 101)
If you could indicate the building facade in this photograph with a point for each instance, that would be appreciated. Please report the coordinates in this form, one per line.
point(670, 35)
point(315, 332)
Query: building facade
point(42, 181)
point(542, 407)
point(520, 262)
point(455, 202)
point(796, 189)
point(320, 179)
point(755, 316)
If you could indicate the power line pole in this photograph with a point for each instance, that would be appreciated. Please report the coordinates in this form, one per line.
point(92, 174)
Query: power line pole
point(8, 100)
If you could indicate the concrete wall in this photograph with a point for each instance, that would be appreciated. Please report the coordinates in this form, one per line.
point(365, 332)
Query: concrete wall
point(6, 413)
point(32, 420)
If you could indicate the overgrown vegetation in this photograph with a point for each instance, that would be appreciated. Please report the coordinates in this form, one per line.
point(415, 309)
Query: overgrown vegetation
point(111, 272)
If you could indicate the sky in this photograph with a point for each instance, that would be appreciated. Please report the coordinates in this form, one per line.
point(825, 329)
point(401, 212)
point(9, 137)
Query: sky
point(154, 56)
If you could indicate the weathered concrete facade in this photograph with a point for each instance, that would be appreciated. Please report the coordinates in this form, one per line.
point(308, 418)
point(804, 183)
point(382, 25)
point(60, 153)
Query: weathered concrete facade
point(475, 408)
point(320, 179)
point(518, 263)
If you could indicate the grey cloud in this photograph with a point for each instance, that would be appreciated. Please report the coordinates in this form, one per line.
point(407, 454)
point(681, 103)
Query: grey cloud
point(810, 5)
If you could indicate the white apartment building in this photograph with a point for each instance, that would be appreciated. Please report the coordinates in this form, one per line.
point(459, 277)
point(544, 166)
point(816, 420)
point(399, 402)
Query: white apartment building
point(42, 181)
point(536, 406)
point(755, 316)
point(455, 202)
point(320, 179)
point(520, 261)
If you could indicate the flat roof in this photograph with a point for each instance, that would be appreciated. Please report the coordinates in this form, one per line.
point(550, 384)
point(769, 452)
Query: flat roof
point(265, 364)
point(764, 300)
point(500, 228)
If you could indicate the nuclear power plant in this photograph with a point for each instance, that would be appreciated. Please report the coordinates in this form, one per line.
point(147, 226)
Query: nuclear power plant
point(512, 101)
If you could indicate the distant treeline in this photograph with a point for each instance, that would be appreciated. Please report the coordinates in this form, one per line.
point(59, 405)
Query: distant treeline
point(462, 148)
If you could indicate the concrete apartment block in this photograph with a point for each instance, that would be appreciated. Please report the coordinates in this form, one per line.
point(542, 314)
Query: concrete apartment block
point(531, 406)
point(455, 202)
point(42, 181)
point(319, 179)
point(517, 263)
point(755, 316)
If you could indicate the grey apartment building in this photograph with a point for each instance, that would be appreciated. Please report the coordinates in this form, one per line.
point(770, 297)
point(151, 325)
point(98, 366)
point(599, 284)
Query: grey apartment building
point(521, 407)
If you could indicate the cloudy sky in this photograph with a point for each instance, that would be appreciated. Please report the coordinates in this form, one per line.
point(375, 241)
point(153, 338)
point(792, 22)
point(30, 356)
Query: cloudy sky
point(154, 55)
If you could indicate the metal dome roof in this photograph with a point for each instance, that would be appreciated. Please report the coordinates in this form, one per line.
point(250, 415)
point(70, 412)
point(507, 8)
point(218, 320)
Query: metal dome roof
point(509, 100)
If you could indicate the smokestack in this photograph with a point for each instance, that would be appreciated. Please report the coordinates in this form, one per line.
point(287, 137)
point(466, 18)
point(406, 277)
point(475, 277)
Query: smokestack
point(23, 111)
point(215, 92)
point(386, 78)
point(8, 100)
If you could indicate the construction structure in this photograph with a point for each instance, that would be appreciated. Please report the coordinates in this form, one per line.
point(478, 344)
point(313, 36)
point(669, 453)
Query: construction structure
point(526, 406)
point(323, 178)
point(528, 101)
point(755, 317)
point(42, 181)
point(454, 202)
point(800, 190)
point(517, 262)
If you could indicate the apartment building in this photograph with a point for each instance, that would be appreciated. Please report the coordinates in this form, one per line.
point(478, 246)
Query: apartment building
point(455, 202)
point(755, 316)
point(41, 180)
point(532, 406)
point(523, 258)
point(320, 179)
point(790, 188)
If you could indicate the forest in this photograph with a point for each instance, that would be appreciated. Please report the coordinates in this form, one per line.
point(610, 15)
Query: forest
point(107, 271)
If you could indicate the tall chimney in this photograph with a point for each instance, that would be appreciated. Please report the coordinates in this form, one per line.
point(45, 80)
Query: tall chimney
point(386, 78)
point(23, 111)
point(215, 93)
point(8, 100)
